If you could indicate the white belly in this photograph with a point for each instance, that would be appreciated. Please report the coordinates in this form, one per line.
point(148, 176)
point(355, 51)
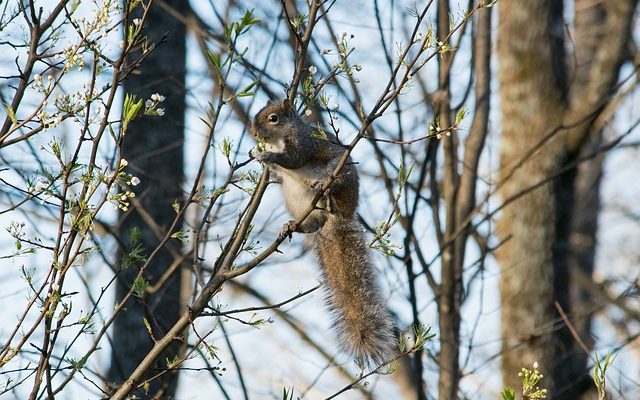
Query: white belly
point(298, 193)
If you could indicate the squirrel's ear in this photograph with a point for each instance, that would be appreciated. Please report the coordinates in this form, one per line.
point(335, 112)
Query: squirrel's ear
point(286, 106)
point(269, 102)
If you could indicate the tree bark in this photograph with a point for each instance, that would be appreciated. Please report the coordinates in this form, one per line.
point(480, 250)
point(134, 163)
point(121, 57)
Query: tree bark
point(577, 242)
point(533, 101)
point(450, 295)
point(548, 121)
point(459, 191)
point(153, 148)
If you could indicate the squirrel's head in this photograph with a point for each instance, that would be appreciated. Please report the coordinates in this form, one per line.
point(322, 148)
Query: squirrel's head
point(272, 119)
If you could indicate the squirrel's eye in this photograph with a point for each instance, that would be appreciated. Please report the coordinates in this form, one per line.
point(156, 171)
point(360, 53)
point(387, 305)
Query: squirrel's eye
point(273, 118)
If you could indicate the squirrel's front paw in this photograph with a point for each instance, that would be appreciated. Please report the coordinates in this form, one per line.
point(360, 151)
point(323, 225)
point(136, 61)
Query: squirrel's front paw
point(262, 156)
point(254, 153)
point(287, 230)
point(317, 186)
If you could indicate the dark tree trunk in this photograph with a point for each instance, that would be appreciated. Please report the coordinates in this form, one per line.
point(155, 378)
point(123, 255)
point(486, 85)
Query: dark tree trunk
point(578, 193)
point(153, 147)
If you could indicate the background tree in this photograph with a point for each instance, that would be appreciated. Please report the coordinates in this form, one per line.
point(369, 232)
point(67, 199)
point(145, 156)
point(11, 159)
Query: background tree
point(552, 105)
point(154, 150)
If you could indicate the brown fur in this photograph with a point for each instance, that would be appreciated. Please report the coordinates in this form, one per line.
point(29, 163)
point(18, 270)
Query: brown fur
point(360, 316)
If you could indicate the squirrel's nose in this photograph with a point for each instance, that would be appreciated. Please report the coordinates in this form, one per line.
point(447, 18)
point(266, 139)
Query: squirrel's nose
point(253, 131)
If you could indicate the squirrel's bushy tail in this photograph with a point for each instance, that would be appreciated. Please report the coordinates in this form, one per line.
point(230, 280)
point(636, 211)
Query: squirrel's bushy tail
point(360, 317)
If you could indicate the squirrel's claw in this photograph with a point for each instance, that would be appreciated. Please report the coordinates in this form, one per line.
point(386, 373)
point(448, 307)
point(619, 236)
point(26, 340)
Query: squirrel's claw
point(262, 156)
point(254, 153)
point(326, 196)
point(287, 230)
point(317, 186)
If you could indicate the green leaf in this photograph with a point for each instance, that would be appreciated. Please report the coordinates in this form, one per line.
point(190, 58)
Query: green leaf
point(139, 286)
point(136, 253)
point(245, 23)
point(11, 114)
point(173, 363)
point(182, 235)
point(79, 364)
point(248, 18)
point(319, 134)
point(130, 110)
point(227, 144)
point(228, 30)
point(489, 4)
point(287, 394)
point(403, 175)
point(216, 61)
point(462, 113)
point(246, 94)
point(508, 394)
point(422, 334)
point(599, 375)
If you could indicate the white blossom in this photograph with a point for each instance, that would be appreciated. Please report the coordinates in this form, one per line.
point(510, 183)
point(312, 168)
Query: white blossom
point(157, 97)
point(135, 181)
point(56, 120)
point(160, 111)
point(313, 70)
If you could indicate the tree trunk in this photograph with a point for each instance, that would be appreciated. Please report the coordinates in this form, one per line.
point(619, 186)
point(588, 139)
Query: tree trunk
point(578, 193)
point(532, 97)
point(459, 189)
point(153, 148)
point(545, 128)
point(450, 295)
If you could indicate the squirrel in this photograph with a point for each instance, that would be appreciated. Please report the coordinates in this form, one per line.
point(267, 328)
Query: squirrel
point(303, 157)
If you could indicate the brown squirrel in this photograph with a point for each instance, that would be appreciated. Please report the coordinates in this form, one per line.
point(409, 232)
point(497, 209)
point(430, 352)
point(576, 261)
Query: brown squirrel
point(304, 157)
